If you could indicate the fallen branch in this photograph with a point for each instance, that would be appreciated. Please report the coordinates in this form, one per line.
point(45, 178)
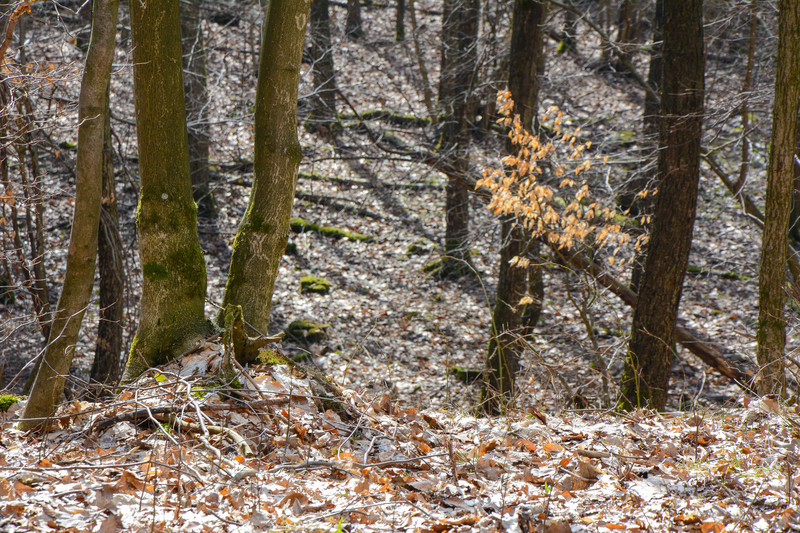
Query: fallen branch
point(751, 209)
point(706, 351)
point(143, 414)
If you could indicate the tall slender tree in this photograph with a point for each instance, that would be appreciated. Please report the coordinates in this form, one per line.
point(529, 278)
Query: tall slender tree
point(460, 20)
point(77, 288)
point(400, 21)
point(323, 101)
point(264, 229)
point(106, 364)
point(645, 378)
point(195, 86)
point(174, 275)
point(771, 334)
point(509, 320)
point(353, 26)
point(630, 198)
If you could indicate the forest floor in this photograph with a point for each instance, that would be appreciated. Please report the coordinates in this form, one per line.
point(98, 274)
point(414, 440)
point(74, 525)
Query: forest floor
point(407, 453)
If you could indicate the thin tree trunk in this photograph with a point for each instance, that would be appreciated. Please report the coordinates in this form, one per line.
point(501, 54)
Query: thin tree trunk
point(460, 20)
point(174, 274)
point(353, 27)
point(323, 101)
point(77, 288)
point(264, 229)
point(400, 21)
point(106, 366)
point(509, 320)
point(645, 379)
point(642, 207)
point(771, 333)
point(194, 84)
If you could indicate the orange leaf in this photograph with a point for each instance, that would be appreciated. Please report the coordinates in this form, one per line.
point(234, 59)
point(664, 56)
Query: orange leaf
point(552, 447)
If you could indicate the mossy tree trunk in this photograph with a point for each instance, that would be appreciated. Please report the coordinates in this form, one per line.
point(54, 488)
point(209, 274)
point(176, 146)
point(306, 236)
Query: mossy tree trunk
point(174, 274)
point(509, 319)
point(264, 229)
point(353, 26)
point(645, 378)
point(771, 335)
point(460, 20)
point(323, 101)
point(195, 87)
point(106, 364)
point(77, 289)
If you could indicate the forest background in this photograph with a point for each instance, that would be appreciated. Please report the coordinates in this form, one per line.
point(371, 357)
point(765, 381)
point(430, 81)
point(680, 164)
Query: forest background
point(387, 312)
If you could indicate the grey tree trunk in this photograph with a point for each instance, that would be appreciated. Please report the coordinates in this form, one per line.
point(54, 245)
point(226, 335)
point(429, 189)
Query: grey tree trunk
point(77, 289)
point(509, 320)
point(323, 101)
point(645, 378)
point(353, 26)
point(771, 335)
point(174, 274)
point(460, 20)
point(264, 229)
point(106, 365)
point(195, 87)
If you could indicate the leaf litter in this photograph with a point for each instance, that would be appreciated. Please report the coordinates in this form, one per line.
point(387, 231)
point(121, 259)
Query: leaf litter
point(269, 450)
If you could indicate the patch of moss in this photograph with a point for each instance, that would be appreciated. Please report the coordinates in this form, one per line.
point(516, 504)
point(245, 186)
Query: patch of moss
point(299, 225)
point(155, 271)
point(291, 249)
point(7, 400)
point(314, 285)
point(271, 358)
point(391, 117)
point(306, 331)
point(466, 375)
point(418, 248)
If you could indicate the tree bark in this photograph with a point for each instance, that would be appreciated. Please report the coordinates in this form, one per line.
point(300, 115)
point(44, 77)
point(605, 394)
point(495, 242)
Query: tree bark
point(195, 88)
point(645, 378)
point(642, 207)
point(106, 365)
point(771, 333)
point(323, 101)
point(77, 288)
point(353, 27)
point(174, 274)
point(400, 21)
point(509, 320)
point(264, 229)
point(460, 20)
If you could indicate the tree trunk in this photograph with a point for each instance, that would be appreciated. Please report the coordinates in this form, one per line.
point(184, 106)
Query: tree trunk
point(264, 229)
point(794, 230)
point(323, 101)
point(106, 365)
point(645, 378)
point(642, 207)
point(400, 21)
point(194, 85)
point(353, 27)
point(174, 273)
point(509, 321)
point(771, 336)
point(459, 54)
point(628, 30)
point(77, 288)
